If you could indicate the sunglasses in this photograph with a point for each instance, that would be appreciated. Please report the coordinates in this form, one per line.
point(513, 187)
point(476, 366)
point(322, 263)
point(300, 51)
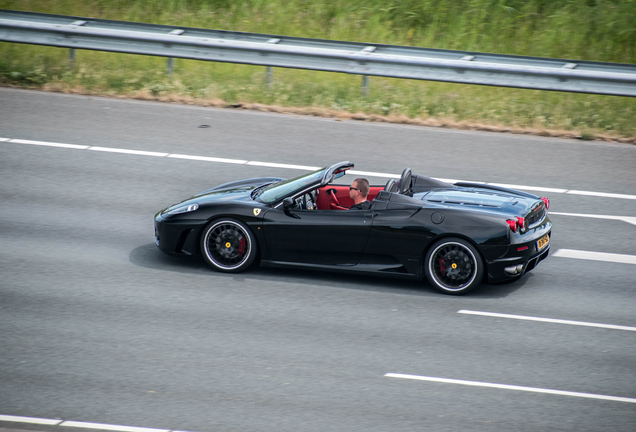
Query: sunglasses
point(352, 188)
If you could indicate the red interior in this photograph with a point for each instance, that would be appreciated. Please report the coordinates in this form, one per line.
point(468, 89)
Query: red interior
point(326, 201)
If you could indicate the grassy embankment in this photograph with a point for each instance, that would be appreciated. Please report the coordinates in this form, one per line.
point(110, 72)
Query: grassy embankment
point(598, 30)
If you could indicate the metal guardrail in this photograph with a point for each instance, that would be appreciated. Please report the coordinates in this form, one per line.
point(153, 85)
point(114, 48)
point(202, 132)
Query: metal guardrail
point(317, 54)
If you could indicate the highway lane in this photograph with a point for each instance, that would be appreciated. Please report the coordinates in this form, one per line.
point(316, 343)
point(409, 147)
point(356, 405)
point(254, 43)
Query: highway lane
point(98, 326)
point(240, 134)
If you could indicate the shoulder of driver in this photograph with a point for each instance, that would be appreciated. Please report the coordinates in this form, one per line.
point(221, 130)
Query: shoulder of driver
point(364, 205)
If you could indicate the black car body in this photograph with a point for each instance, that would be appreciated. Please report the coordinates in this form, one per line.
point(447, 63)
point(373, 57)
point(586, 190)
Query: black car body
point(457, 235)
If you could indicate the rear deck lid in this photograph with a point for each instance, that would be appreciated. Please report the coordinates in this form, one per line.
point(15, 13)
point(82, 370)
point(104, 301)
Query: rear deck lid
point(468, 198)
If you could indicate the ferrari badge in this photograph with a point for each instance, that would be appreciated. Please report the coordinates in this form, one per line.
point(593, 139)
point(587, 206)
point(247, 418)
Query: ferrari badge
point(257, 211)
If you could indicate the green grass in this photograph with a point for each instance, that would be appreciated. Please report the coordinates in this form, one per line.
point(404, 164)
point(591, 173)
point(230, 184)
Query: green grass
point(598, 30)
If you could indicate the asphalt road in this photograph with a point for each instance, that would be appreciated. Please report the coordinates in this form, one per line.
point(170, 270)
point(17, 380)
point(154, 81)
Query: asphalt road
point(96, 325)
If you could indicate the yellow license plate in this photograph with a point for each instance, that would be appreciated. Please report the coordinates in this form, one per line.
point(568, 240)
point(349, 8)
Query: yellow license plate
point(543, 242)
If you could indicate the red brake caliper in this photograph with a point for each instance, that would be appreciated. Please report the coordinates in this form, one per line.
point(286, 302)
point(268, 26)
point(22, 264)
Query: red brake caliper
point(442, 266)
point(241, 249)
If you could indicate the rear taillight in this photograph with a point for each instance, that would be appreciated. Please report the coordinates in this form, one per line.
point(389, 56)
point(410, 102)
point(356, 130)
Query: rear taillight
point(546, 202)
point(513, 224)
point(516, 224)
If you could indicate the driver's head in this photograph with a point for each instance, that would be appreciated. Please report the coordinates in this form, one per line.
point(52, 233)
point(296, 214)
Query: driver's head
point(360, 185)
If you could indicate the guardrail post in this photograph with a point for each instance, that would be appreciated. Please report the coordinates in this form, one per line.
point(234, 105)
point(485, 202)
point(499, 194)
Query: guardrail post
point(71, 52)
point(268, 76)
point(268, 72)
point(170, 66)
point(365, 78)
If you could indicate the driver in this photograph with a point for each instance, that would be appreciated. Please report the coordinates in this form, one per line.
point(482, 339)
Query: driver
point(358, 192)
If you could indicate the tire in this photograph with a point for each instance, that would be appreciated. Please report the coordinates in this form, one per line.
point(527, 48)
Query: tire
point(228, 245)
point(453, 266)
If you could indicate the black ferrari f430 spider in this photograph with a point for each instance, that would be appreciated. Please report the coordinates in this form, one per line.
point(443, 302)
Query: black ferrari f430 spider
point(456, 235)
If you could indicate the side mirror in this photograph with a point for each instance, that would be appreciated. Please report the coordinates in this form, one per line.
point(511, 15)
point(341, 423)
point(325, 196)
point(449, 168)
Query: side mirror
point(288, 203)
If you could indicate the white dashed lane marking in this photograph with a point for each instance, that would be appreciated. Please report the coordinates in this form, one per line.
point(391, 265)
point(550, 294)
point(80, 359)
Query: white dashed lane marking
point(628, 219)
point(511, 387)
point(595, 256)
point(547, 320)
point(301, 167)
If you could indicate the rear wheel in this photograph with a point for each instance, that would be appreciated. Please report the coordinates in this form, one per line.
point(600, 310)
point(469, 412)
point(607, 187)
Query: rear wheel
point(228, 245)
point(453, 266)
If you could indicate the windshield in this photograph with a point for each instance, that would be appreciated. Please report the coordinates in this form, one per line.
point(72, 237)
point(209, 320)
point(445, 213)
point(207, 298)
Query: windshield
point(277, 191)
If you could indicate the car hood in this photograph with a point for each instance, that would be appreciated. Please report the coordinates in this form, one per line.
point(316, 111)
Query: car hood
point(240, 185)
point(233, 191)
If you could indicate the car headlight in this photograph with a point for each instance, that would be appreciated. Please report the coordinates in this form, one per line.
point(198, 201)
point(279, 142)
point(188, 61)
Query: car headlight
point(182, 209)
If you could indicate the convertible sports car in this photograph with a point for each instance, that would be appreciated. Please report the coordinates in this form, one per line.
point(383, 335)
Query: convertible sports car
point(457, 235)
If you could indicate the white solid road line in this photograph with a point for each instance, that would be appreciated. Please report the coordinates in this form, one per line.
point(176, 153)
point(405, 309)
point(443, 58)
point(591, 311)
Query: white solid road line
point(511, 387)
point(595, 256)
point(49, 144)
point(302, 167)
point(207, 159)
point(601, 194)
point(374, 174)
point(126, 151)
point(278, 165)
point(548, 320)
point(32, 420)
point(534, 188)
point(110, 427)
point(77, 424)
point(628, 219)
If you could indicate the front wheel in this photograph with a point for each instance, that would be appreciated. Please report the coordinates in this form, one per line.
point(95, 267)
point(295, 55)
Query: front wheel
point(453, 266)
point(228, 246)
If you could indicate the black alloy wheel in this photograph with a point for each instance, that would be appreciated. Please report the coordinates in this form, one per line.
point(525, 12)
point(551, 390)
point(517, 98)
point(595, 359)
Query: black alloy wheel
point(228, 246)
point(453, 266)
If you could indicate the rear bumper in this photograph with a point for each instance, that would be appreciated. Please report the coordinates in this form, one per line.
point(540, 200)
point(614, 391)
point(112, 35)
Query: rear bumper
point(519, 269)
point(517, 259)
point(536, 260)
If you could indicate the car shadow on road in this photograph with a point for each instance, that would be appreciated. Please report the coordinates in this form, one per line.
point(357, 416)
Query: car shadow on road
point(149, 256)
